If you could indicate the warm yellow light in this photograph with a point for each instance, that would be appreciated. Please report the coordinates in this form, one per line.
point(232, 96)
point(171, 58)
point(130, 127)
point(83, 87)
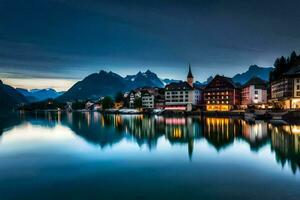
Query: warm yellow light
point(217, 107)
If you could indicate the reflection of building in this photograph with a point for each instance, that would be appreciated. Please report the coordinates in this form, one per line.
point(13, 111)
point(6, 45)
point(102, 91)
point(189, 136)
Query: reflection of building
point(221, 132)
point(221, 94)
point(286, 143)
point(183, 130)
point(254, 92)
point(285, 92)
point(182, 95)
point(144, 129)
point(256, 134)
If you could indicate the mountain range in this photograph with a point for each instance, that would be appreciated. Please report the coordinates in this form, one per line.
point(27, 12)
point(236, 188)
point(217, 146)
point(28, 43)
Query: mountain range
point(109, 83)
point(35, 95)
point(10, 98)
point(254, 70)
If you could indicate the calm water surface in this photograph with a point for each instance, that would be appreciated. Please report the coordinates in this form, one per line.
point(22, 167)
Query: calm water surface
point(92, 156)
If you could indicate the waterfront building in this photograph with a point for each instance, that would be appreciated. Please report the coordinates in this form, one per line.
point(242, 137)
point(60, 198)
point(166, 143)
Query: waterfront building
point(285, 91)
point(89, 105)
point(254, 93)
point(221, 94)
point(132, 97)
point(152, 98)
point(147, 100)
point(183, 95)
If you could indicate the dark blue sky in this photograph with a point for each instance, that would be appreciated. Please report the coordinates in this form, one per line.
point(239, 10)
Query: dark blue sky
point(60, 39)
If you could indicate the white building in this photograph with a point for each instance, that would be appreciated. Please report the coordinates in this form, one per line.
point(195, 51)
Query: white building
point(132, 96)
point(254, 92)
point(148, 100)
point(182, 95)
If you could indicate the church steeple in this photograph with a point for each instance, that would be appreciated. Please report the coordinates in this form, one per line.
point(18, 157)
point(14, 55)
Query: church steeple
point(190, 77)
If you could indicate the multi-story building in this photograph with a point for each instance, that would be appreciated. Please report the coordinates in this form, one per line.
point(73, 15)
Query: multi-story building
point(132, 96)
point(153, 98)
point(254, 92)
point(148, 100)
point(285, 91)
point(182, 95)
point(221, 94)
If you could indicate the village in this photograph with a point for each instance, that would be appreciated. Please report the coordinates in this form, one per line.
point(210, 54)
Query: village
point(220, 95)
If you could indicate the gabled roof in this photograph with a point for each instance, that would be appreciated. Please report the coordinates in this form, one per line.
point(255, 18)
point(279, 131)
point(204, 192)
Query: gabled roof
point(257, 82)
point(223, 78)
point(179, 86)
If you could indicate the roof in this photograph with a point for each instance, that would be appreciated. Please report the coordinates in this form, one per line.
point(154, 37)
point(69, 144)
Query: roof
point(190, 75)
point(224, 78)
point(293, 71)
point(179, 86)
point(257, 82)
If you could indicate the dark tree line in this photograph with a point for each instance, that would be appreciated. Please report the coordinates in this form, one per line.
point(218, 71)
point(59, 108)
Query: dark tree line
point(282, 65)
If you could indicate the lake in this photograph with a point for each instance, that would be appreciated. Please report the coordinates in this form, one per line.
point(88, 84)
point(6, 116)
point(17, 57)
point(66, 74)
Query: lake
point(93, 156)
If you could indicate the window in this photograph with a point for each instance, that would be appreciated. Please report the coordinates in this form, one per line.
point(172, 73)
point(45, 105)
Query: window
point(255, 92)
point(298, 93)
point(298, 87)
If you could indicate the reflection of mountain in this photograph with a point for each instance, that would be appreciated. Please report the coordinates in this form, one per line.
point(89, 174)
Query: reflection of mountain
point(9, 121)
point(95, 128)
point(285, 141)
point(220, 132)
point(107, 130)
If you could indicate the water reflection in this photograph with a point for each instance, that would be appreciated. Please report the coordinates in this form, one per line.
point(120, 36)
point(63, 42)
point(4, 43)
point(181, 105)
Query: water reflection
point(220, 133)
point(285, 141)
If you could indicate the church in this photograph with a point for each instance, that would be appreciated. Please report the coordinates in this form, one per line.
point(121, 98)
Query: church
point(183, 95)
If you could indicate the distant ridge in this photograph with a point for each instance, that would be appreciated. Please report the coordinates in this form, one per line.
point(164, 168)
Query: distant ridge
point(10, 98)
point(109, 83)
point(253, 71)
point(35, 95)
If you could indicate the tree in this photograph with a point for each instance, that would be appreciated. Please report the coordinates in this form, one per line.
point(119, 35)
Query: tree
point(293, 57)
point(78, 105)
point(107, 102)
point(138, 102)
point(119, 97)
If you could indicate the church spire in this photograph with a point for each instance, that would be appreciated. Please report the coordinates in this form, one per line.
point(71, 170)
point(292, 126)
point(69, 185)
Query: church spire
point(190, 75)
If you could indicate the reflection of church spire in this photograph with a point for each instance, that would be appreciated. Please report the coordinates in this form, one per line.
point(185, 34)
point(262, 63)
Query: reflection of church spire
point(191, 148)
